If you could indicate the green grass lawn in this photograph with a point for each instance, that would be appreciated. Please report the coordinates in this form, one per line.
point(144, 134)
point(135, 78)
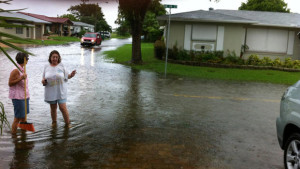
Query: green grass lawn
point(114, 35)
point(52, 40)
point(123, 55)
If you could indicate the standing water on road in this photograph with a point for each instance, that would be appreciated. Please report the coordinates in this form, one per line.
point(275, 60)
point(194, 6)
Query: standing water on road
point(125, 118)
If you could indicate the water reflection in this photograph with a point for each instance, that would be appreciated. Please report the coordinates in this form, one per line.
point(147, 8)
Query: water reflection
point(57, 148)
point(88, 53)
point(22, 151)
point(92, 57)
point(82, 57)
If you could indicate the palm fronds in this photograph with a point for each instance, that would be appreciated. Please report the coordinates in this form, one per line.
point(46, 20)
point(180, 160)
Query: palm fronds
point(3, 119)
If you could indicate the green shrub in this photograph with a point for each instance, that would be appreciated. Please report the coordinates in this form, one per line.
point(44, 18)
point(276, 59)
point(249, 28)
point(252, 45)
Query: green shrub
point(296, 64)
point(81, 33)
point(266, 61)
point(183, 55)
point(159, 49)
point(288, 63)
point(197, 56)
point(277, 62)
point(253, 60)
point(46, 33)
point(231, 58)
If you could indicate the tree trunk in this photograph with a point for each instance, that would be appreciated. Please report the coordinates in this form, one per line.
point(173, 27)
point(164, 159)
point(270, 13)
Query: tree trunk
point(136, 57)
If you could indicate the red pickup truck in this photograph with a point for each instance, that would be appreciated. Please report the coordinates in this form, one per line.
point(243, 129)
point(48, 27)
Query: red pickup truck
point(91, 39)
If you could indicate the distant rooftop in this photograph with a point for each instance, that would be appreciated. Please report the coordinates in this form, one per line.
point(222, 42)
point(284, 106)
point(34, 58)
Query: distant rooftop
point(15, 16)
point(82, 24)
point(48, 19)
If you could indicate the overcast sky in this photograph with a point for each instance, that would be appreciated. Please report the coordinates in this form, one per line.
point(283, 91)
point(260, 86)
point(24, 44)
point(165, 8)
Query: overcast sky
point(110, 7)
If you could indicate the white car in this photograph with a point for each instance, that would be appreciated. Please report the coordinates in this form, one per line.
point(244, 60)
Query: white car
point(288, 126)
point(106, 34)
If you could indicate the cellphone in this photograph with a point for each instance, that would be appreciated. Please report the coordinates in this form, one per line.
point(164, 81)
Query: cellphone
point(45, 83)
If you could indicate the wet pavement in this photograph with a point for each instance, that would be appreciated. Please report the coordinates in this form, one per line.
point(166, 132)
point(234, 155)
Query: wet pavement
point(125, 118)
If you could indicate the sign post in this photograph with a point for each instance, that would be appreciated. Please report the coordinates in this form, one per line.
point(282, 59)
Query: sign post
point(167, 45)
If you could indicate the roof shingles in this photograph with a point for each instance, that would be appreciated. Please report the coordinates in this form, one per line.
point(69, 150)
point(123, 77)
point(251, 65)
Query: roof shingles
point(46, 18)
point(239, 16)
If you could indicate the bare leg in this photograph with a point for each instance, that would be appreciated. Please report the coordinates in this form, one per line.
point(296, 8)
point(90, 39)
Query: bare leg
point(53, 108)
point(14, 126)
point(65, 112)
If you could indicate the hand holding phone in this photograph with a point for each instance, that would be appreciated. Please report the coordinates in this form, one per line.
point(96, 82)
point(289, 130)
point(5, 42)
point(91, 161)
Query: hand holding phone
point(44, 81)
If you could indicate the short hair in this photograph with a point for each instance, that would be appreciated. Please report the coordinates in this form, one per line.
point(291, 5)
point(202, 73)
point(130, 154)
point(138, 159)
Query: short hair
point(54, 52)
point(20, 57)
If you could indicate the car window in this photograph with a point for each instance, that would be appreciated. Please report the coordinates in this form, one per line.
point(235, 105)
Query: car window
point(89, 35)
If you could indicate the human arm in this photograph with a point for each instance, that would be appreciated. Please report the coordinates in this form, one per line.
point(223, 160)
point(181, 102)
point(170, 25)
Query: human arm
point(15, 77)
point(72, 74)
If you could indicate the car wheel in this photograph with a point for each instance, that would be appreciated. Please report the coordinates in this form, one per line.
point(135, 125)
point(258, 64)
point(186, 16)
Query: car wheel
point(292, 152)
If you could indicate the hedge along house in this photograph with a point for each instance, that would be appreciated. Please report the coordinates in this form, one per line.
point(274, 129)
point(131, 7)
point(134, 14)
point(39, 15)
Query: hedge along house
point(271, 34)
point(56, 25)
point(34, 29)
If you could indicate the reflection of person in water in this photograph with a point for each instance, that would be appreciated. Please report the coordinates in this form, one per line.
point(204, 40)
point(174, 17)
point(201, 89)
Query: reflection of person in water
point(58, 148)
point(21, 151)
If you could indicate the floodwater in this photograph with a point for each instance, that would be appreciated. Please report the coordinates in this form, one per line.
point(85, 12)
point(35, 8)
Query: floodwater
point(124, 118)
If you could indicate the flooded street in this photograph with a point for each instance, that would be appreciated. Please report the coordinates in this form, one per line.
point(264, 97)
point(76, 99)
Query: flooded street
point(125, 118)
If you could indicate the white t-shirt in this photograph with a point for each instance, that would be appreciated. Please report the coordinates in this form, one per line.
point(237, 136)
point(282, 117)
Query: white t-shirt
point(57, 77)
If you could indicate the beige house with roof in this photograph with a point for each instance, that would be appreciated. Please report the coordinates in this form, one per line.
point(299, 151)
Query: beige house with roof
point(33, 30)
point(271, 34)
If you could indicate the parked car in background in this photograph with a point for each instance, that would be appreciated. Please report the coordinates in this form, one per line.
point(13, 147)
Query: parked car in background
point(288, 126)
point(106, 34)
point(91, 39)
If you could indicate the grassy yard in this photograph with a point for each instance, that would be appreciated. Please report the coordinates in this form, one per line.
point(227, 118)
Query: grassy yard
point(123, 55)
point(52, 40)
point(114, 35)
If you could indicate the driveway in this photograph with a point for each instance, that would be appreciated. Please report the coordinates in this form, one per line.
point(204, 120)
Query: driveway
point(124, 118)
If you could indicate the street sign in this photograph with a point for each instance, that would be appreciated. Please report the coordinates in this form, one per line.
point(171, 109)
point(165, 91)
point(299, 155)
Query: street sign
point(170, 6)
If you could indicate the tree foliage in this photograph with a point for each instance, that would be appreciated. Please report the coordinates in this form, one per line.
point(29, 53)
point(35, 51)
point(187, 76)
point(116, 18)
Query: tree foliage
point(124, 25)
point(91, 14)
point(265, 5)
point(151, 26)
point(70, 16)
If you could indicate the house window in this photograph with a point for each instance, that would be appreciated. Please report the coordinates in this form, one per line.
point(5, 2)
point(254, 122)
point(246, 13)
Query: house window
point(19, 30)
point(267, 40)
point(204, 32)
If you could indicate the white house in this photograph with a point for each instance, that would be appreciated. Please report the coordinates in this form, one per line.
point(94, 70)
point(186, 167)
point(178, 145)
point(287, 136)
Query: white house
point(78, 26)
point(34, 29)
point(270, 34)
